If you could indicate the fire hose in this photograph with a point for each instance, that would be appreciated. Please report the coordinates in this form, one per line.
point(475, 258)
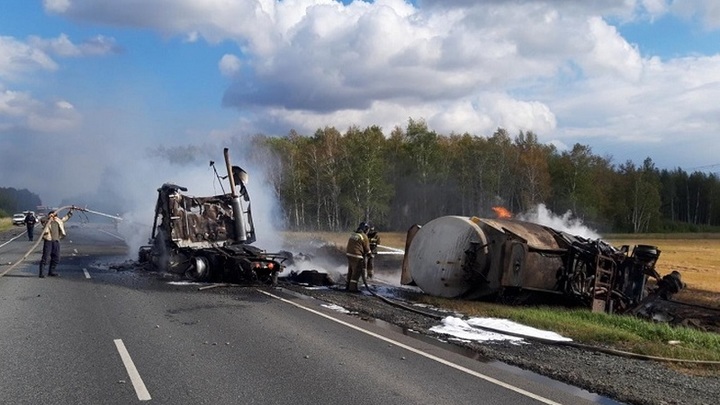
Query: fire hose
point(45, 228)
point(576, 345)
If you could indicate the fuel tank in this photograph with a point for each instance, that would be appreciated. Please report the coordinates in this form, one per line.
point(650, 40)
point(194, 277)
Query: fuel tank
point(512, 261)
point(455, 256)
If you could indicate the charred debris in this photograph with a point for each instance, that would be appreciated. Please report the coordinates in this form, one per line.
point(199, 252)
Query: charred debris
point(210, 238)
point(507, 260)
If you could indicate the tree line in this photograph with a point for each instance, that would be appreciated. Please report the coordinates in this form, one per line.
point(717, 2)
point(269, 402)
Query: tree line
point(13, 201)
point(331, 180)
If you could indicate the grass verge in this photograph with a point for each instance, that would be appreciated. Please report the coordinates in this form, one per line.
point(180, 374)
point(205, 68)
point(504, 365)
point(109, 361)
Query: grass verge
point(615, 331)
point(5, 224)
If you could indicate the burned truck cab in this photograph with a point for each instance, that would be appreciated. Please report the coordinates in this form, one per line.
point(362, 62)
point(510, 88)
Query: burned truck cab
point(209, 238)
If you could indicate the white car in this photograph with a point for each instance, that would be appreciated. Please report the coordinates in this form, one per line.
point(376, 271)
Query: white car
point(18, 219)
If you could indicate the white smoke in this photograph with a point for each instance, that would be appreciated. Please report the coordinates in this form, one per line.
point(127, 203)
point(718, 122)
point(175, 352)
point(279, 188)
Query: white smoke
point(566, 222)
point(136, 228)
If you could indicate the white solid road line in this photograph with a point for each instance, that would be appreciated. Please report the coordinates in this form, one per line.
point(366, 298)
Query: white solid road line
point(87, 275)
point(138, 384)
point(112, 234)
point(21, 234)
point(421, 353)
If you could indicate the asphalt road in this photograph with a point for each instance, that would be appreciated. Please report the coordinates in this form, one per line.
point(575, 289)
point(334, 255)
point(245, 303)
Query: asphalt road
point(96, 335)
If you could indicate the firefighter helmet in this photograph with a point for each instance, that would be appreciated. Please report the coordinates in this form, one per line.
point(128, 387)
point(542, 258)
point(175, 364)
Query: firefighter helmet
point(363, 227)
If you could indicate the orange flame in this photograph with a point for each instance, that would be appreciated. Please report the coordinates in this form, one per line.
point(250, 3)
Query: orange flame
point(502, 212)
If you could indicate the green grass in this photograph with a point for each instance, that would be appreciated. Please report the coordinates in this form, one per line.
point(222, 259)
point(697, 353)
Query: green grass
point(619, 332)
point(669, 236)
point(5, 224)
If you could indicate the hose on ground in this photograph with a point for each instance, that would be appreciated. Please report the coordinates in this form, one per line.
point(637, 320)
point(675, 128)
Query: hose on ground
point(599, 349)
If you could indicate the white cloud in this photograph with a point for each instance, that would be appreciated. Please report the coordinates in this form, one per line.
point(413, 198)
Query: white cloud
point(20, 111)
point(58, 6)
point(229, 65)
point(62, 46)
point(558, 68)
point(18, 58)
point(707, 11)
point(13, 103)
point(669, 99)
point(655, 8)
point(610, 52)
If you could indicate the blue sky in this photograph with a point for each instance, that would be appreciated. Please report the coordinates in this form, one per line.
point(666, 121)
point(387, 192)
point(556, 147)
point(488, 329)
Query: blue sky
point(87, 87)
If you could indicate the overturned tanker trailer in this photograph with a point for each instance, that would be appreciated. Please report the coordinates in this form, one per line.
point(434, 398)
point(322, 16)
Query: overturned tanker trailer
point(209, 238)
point(508, 259)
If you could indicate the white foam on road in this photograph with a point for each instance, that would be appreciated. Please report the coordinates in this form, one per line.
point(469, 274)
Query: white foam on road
point(337, 308)
point(187, 283)
point(472, 330)
point(419, 352)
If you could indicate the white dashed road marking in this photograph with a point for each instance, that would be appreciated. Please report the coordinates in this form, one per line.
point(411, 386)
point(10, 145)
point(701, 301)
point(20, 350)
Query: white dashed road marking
point(87, 275)
point(138, 384)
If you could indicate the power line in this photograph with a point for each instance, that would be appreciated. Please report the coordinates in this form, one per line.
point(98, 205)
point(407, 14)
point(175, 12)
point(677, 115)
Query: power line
point(705, 167)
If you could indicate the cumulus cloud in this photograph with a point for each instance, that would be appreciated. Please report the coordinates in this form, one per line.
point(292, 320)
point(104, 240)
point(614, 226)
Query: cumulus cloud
point(59, 6)
point(229, 65)
point(610, 53)
point(20, 110)
point(62, 46)
point(18, 58)
point(560, 68)
point(706, 11)
point(655, 8)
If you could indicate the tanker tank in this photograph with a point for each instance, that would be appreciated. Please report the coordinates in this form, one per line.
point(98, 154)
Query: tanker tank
point(471, 257)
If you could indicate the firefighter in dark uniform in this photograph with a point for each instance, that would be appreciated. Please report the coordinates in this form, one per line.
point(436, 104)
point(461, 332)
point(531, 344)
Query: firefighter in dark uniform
point(374, 242)
point(30, 222)
point(358, 248)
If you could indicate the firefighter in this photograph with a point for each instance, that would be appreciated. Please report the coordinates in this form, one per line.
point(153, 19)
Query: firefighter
point(374, 242)
point(358, 249)
point(53, 231)
point(30, 221)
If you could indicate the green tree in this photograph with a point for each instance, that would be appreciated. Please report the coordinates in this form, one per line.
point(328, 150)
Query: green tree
point(423, 152)
point(502, 180)
point(13, 200)
point(290, 176)
point(581, 184)
point(532, 170)
point(369, 192)
point(641, 191)
point(324, 158)
point(467, 158)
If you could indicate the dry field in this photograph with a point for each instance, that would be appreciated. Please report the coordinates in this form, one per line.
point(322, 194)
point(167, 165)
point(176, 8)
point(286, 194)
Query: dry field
point(695, 256)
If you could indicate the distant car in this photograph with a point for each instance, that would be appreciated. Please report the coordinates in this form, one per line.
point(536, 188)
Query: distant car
point(18, 219)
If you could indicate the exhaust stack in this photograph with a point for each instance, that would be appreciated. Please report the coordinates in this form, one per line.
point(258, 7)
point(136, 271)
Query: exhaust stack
point(240, 232)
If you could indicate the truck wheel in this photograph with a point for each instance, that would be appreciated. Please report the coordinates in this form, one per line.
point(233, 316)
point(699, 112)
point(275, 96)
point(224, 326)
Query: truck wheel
point(199, 269)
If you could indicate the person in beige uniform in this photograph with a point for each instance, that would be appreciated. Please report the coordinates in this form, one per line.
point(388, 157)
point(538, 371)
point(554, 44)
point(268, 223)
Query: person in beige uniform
point(53, 232)
point(358, 248)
